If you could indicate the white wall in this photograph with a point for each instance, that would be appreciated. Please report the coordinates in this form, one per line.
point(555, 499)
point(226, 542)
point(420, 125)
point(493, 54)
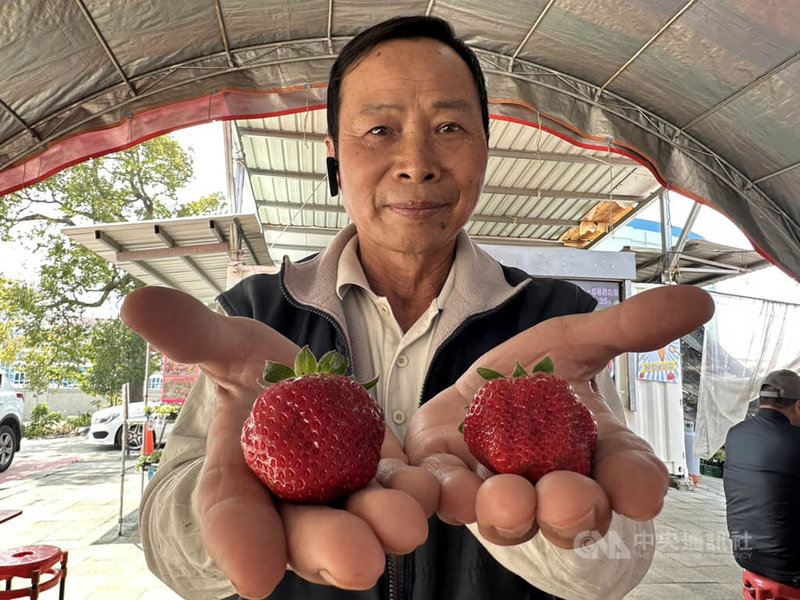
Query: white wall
point(70, 402)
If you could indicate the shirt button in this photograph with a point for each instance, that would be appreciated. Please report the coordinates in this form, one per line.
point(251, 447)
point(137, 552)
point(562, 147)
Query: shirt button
point(402, 360)
point(399, 417)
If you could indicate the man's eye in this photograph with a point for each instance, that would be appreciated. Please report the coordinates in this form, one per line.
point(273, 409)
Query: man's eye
point(450, 127)
point(379, 130)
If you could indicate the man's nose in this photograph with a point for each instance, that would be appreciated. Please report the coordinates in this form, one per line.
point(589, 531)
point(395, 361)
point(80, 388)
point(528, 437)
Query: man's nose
point(417, 158)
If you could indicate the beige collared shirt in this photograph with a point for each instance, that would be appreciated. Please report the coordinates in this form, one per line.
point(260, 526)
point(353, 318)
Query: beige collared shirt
point(400, 360)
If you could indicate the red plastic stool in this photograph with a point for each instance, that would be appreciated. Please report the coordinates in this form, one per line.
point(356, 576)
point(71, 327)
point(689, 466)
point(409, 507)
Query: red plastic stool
point(44, 566)
point(757, 587)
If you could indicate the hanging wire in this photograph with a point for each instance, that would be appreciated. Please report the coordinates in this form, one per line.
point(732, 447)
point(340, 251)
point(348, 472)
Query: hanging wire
point(305, 117)
point(610, 187)
point(297, 212)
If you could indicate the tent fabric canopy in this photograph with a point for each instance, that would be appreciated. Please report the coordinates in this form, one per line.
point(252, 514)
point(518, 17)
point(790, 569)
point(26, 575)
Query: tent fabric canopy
point(705, 94)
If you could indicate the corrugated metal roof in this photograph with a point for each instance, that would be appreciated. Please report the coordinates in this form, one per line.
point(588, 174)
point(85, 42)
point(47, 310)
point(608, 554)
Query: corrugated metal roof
point(539, 189)
point(189, 254)
point(699, 263)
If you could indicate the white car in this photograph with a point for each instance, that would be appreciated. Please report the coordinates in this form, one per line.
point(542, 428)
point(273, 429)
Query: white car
point(12, 405)
point(106, 427)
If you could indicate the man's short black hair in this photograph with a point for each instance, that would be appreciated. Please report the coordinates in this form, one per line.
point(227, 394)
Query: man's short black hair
point(397, 29)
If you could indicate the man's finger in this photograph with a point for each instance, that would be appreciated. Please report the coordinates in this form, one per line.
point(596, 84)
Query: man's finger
point(459, 488)
point(506, 510)
point(241, 529)
point(327, 545)
point(184, 329)
point(395, 473)
point(405, 531)
point(569, 506)
point(582, 344)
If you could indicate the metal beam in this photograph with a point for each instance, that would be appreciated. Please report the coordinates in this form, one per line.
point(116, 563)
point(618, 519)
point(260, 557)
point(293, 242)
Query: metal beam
point(641, 50)
point(586, 159)
point(217, 232)
point(508, 219)
point(87, 15)
point(154, 273)
point(20, 121)
point(300, 247)
point(304, 175)
point(224, 34)
point(768, 75)
point(561, 194)
point(247, 243)
point(171, 245)
point(107, 240)
point(684, 236)
point(171, 252)
point(529, 34)
point(489, 189)
point(481, 239)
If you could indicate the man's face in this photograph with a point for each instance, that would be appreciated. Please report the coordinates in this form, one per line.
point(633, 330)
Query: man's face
point(412, 149)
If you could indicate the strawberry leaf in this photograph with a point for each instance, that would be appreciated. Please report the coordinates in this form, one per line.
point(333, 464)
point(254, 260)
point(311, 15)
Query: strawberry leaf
point(544, 366)
point(488, 374)
point(371, 383)
point(461, 427)
point(305, 363)
point(519, 371)
point(333, 363)
point(275, 372)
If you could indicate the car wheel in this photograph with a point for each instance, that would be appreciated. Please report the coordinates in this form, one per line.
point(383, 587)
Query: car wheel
point(135, 437)
point(8, 445)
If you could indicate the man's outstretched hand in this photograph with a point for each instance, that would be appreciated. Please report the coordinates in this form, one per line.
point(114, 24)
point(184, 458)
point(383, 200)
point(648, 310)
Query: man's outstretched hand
point(251, 537)
point(627, 477)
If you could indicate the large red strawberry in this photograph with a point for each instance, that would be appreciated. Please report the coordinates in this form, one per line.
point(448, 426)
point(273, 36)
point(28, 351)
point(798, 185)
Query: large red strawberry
point(315, 434)
point(530, 424)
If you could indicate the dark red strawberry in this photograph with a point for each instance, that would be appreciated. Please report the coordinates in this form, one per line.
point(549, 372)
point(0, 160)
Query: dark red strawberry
point(530, 424)
point(315, 434)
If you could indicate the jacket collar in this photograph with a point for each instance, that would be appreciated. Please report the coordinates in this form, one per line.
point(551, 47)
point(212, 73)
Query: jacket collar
point(480, 284)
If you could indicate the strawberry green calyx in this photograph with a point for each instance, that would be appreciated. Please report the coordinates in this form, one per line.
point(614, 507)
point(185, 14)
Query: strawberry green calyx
point(543, 366)
point(331, 363)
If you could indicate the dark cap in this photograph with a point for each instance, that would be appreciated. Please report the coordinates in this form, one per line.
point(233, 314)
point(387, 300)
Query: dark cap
point(786, 382)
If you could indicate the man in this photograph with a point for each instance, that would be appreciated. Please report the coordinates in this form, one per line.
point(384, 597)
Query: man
point(762, 482)
point(404, 293)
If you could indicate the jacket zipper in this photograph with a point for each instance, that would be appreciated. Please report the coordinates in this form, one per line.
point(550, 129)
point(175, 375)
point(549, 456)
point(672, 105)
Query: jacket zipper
point(337, 328)
point(452, 336)
point(393, 574)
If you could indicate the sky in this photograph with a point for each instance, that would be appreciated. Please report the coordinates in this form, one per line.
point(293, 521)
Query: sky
point(206, 143)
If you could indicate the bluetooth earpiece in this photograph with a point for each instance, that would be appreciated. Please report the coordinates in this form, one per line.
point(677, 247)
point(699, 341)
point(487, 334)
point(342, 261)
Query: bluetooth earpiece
point(333, 179)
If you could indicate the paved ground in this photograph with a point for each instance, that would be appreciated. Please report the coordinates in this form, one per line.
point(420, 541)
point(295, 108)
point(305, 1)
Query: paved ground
point(70, 497)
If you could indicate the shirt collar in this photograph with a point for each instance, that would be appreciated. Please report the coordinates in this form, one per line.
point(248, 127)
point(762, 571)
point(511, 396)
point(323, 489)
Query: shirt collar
point(350, 272)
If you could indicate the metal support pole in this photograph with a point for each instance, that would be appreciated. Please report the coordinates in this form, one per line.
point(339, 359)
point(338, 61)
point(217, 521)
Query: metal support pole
point(666, 237)
point(124, 445)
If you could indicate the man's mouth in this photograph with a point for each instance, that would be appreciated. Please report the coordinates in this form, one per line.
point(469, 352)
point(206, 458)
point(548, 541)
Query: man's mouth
point(417, 210)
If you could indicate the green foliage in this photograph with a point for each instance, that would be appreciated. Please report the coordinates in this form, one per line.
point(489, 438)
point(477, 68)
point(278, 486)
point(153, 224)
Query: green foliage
point(45, 327)
point(81, 420)
point(148, 459)
point(213, 204)
point(169, 410)
point(43, 422)
point(117, 356)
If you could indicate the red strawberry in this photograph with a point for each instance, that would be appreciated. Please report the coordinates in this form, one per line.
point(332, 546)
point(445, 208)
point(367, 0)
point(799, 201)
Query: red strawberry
point(530, 424)
point(315, 434)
